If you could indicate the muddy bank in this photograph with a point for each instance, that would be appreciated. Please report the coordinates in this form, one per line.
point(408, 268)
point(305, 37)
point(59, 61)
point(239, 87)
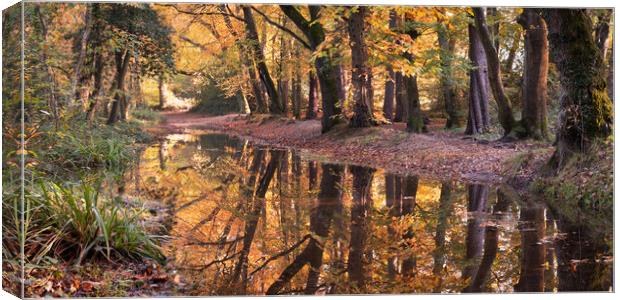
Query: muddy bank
point(439, 154)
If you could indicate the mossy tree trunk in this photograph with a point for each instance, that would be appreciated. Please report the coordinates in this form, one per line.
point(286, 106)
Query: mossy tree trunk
point(585, 108)
point(535, 69)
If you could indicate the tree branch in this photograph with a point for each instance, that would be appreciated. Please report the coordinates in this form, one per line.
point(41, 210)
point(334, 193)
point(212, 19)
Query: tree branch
point(201, 13)
point(285, 252)
point(290, 32)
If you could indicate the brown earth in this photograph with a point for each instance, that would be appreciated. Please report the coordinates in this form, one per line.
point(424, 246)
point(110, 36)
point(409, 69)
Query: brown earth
point(439, 154)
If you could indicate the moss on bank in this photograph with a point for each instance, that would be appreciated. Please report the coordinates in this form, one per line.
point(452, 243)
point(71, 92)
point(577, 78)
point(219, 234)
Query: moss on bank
point(583, 190)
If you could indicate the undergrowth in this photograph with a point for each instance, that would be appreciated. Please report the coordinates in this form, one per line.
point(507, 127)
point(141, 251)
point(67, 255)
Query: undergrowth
point(583, 190)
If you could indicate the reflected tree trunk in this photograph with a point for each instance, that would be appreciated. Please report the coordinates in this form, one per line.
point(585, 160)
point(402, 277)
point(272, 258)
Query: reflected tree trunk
point(360, 210)
point(392, 202)
point(407, 207)
point(532, 228)
point(491, 240)
point(444, 213)
point(477, 196)
point(320, 222)
point(240, 271)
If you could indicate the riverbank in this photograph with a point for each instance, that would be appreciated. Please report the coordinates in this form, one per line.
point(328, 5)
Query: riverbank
point(439, 154)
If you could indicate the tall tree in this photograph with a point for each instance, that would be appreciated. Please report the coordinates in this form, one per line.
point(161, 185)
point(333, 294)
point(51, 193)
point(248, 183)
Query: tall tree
point(248, 70)
point(119, 100)
point(362, 114)
point(535, 69)
point(275, 105)
point(313, 101)
point(325, 68)
point(149, 38)
point(506, 119)
point(415, 123)
point(447, 82)
point(586, 112)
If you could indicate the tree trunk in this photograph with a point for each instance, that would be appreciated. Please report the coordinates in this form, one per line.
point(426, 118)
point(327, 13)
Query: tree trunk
point(401, 108)
point(324, 65)
point(312, 97)
point(388, 99)
point(160, 90)
point(610, 76)
point(494, 29)
point(535, 69)
point(296, 90)
point(415, 123)
point(601, 37)
point(362, 115)
point(275, 105)
point(513, 52)
point(601, 34)
point(446, 79)
point(506, 119)
point(370, 92)
point(81, 55)
point(97, 87)
point(342, 91)
point(283, 81)
point(478, 118)
point(586, 113)
point(249, 69)
point(122, 65)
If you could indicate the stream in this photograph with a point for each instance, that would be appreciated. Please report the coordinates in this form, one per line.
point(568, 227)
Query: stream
point(252, 220)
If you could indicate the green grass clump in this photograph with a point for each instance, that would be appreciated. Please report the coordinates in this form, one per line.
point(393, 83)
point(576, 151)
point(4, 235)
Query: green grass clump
point(74, 223)
point(92, 147)
point(146, 114)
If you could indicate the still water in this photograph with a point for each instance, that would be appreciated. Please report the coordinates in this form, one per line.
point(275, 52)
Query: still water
point(253, 220)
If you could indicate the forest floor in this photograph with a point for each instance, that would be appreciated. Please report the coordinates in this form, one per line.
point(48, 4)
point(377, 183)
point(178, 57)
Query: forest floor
point(439, 154)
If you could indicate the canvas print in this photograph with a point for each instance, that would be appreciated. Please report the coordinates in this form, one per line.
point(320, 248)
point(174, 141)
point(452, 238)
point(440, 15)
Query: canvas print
point(215, 149)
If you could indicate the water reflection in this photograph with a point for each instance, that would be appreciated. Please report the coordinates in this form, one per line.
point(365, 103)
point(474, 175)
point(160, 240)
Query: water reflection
point(254, 220)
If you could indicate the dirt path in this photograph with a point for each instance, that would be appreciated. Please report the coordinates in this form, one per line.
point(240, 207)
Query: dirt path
point(438, 154)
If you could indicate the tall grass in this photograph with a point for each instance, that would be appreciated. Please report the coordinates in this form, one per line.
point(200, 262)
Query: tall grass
point(75, 223)
point(86, 148)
